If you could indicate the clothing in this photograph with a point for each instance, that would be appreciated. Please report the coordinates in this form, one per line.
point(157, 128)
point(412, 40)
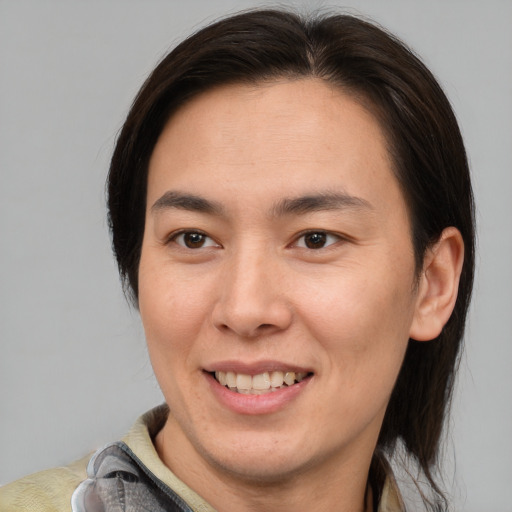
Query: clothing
point(129, 476)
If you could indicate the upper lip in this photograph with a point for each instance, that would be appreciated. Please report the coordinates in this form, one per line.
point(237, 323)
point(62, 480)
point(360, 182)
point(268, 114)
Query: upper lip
point(255, 368)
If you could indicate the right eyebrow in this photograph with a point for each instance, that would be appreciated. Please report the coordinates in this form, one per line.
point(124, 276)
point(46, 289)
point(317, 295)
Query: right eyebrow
point(320, 201)
point(183, 201)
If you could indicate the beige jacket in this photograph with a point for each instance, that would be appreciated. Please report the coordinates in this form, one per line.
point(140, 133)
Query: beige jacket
point(51, 490)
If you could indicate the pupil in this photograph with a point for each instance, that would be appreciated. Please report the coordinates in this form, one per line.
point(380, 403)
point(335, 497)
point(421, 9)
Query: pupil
point(193, 240)
point(315, 240)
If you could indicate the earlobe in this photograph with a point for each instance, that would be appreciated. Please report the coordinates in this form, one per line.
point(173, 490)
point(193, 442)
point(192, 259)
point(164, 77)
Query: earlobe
point(438, 285)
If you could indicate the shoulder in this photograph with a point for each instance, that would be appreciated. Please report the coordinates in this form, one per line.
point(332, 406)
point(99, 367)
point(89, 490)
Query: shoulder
point(46, 491)
point(51, 490)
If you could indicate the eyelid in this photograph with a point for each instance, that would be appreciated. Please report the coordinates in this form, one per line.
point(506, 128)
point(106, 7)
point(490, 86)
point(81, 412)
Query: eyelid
point(302, 234)
point(175, 234)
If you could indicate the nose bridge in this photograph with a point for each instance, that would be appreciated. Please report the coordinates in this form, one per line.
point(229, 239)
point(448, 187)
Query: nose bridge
point(252, 300)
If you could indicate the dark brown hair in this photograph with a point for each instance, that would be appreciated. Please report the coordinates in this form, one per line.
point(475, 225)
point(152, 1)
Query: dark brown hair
point(424, 141)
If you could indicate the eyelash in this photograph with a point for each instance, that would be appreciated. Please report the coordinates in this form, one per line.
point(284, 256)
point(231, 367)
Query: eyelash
point(175, 236)
point(325, 237)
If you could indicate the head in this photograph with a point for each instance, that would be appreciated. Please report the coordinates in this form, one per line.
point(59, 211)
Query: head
point(421, 137)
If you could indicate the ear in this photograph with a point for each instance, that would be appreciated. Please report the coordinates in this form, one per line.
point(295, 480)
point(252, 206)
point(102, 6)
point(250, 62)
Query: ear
point(438, 285)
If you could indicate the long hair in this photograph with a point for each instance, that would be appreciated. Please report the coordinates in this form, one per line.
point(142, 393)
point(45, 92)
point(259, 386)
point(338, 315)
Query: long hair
point(424, 142)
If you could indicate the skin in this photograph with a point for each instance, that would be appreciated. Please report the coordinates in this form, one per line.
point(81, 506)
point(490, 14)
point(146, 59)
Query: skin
point(255, 294)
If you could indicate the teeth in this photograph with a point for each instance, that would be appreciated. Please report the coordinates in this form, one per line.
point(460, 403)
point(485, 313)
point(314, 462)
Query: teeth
point(243, 381)
point(276, 379)
point(300, 376)
point(258, 391)
point(289, 378)
point(221, 377)
point(230, 379)
point(261, 381)
point(258, 384)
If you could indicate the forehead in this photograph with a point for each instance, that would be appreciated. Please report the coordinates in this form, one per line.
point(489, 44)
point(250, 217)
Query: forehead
point(265, 138)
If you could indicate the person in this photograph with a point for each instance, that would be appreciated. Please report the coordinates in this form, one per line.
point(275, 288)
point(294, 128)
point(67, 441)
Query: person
point(291, 211)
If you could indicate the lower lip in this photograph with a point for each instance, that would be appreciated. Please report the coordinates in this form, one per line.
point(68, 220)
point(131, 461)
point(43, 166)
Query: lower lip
point(267, 403)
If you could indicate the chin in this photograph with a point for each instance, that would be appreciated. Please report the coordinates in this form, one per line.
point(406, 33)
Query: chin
point(272, 462)
point(260, 470)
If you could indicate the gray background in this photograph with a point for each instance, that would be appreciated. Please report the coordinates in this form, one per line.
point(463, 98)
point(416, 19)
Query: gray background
point(73, 367)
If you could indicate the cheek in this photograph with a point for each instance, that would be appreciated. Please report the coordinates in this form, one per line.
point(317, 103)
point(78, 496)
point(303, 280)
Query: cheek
point(363, 333)
point(173, 310)
point(172, 316)
point(360, 297)
point(362, 319)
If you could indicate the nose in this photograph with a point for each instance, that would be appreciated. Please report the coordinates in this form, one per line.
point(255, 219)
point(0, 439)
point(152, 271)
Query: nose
point(252, 301)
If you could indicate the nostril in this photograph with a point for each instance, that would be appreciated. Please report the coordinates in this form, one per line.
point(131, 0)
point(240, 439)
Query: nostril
point(246, 331)
point(251, 317)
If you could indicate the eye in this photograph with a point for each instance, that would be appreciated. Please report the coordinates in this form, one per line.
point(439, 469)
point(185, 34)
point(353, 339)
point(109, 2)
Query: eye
point(193, 240)
point(317, 240)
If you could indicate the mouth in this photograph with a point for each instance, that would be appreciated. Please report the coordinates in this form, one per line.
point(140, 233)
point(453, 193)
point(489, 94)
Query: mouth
point(260, 384)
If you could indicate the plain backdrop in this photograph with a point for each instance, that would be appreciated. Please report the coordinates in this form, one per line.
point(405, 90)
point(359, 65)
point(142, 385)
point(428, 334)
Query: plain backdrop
point(74, 373)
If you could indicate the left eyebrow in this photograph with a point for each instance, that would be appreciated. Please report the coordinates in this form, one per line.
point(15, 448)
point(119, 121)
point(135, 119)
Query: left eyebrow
point(319, 202)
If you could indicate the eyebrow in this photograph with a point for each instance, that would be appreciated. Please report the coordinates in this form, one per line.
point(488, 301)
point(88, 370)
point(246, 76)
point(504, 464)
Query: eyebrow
point(288, 206)
point(190, 202)
point(320, 202)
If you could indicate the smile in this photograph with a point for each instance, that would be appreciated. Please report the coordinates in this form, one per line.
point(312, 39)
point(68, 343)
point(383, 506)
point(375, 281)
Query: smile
point(260, 384)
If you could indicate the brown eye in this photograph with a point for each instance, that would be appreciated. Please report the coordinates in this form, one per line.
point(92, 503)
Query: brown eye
point(317, 240)
point(194, 240)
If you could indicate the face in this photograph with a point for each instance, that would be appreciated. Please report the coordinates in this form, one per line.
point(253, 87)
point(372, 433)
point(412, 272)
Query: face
point(276, 280)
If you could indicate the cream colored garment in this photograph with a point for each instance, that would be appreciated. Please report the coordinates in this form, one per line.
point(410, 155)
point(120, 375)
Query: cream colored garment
point(51, 490)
